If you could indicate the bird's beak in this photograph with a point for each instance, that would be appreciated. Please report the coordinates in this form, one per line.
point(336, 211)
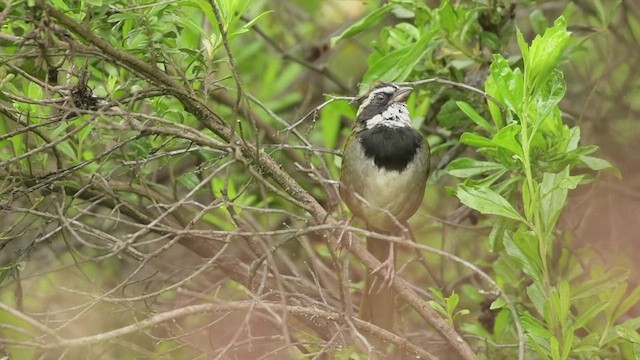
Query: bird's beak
point(402, 94)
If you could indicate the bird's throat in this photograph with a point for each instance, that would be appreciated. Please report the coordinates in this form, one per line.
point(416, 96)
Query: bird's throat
point(391, 148)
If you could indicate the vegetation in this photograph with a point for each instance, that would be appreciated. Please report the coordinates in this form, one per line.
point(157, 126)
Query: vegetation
point(168, 178)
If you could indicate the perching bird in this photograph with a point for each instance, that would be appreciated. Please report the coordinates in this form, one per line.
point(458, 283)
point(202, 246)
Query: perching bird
point(383, 177)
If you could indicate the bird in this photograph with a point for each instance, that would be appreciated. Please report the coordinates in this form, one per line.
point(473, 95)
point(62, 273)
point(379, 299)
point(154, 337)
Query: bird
point(385, 165)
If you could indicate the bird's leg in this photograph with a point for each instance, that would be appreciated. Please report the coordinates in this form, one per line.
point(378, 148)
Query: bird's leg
point(387, 269)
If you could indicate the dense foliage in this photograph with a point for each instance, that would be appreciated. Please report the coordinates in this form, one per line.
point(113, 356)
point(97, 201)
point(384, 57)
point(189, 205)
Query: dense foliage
point(168, 180)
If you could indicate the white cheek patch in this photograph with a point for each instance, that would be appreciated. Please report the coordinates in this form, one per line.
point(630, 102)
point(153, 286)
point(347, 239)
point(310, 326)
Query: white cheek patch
point(375, 121)
point(396, 115)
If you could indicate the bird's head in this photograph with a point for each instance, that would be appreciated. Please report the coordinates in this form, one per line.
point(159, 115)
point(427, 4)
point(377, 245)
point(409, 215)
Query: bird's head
point(385, 105)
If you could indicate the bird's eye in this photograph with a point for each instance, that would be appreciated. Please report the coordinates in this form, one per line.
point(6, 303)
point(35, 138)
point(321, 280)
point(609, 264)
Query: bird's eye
point(380, 97)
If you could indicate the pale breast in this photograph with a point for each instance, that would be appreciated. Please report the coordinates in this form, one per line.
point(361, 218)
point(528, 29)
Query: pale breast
point(377, 194)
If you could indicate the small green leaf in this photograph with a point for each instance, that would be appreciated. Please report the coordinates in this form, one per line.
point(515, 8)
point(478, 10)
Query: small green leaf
point(628, 334)
point(598, 164)
point(547, 97)
point(475, 117)
point(497, 233)
point(595, 286)
point(499, 303)
point(553, 196)
point(255, 19)
point(564, 297)
point(60, 5)
point(448, 18)
point(509, 83)
point(491, 88)
point(189, 180)
point(330, 124)
point(541, 58)
point(468, 167)
point(523, 248)
point(450, 116)
point(67, 149)
point(452, 303)
point(363, 24)
point(437, 307)
point(398, 64)
point(537, 296)
point(491, 40)
point(487, 201)
point(475, 140)
point(538, 21)
point(593, 311)
point(506, 139)
point(629, 301)
point(533, 326)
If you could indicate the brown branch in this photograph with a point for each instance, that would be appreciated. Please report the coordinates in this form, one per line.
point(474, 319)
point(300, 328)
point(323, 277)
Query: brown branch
point(263, 163)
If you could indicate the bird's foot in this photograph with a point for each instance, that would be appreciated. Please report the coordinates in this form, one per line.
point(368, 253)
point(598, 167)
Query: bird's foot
point(387, 272)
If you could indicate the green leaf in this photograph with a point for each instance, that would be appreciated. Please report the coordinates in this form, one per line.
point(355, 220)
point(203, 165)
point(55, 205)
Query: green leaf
point(398, 64)
point(468, 167)
point(475, 140)
point(491, 88)
point(593, 311)
point(537, 296)
point(555, 348)
point(564, 301)
point(541, 58)
point(189, 180)
point(475, 117)
point(491, 40)
point(437, 307)
point(553, 196)
point(252, 22)
point(452, 303)
point(497, 232)
point(499, 303)
point(509, 83)
point(60, 5)
point(67, 149)
point(533, 326)
point(595, 286)
point(590, 343)
point(506, 139)
point(523, 248)
point(330, 121)
point(538, 21)
point(450, 116)
point(546, 99)
point(628, 334)
point(448, 18)
point(206, 8)
point(631, 300)
point(598, 164)
point(363, 24)
point(487, 201)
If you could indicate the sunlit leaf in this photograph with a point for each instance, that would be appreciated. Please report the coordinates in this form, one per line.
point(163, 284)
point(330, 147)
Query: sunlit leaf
point(474, 116)
point(487, 201)
point(468, 167)
point(363, 24)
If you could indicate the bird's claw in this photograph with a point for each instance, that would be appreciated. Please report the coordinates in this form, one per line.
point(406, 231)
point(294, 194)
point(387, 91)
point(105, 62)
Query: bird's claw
point(387, 272)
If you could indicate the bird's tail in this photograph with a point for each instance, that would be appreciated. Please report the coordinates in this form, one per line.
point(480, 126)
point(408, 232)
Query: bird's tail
point(377, 306)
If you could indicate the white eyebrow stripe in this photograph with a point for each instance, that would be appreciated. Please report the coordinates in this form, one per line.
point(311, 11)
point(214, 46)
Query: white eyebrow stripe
point(386, 89)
